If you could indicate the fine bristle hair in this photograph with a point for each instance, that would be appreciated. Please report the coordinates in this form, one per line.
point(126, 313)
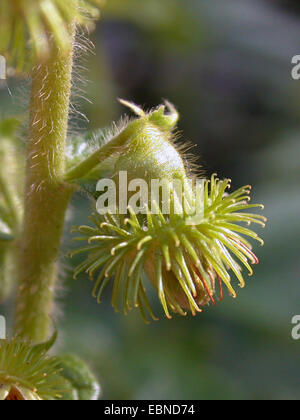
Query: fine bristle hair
point(83, 48)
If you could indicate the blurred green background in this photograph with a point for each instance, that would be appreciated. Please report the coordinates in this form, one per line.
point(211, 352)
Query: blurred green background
point(227, 67)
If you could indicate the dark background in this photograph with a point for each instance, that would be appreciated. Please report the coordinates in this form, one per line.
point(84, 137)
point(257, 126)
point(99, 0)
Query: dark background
point(226, 65)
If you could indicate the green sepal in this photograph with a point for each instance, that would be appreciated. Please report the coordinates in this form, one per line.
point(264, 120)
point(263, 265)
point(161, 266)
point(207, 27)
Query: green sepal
point(46, 346)
point(84, 385)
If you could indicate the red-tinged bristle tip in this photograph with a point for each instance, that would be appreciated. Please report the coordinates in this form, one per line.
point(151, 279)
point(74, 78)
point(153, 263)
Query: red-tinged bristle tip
point(205, 286)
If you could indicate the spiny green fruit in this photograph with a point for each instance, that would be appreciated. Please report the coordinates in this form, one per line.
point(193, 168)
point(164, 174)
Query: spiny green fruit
point(185, 261)
point(28, 373)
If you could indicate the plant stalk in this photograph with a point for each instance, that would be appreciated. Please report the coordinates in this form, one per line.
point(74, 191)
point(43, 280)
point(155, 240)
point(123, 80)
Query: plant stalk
point(46, 195)
point(115, 145)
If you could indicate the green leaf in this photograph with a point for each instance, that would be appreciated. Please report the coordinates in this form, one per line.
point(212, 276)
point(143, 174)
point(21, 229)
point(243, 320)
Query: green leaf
point(85, 386)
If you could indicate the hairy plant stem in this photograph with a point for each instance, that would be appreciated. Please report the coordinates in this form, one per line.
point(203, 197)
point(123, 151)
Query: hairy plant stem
point(46, 195)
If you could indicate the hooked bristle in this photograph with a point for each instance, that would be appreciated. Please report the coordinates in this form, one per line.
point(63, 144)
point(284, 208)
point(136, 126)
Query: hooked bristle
point(181, 260)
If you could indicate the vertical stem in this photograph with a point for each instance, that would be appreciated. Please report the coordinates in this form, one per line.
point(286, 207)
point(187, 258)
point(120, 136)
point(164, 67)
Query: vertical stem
point(47, 196)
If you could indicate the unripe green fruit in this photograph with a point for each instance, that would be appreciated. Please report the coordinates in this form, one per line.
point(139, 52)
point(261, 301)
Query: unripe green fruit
point(151, 153)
